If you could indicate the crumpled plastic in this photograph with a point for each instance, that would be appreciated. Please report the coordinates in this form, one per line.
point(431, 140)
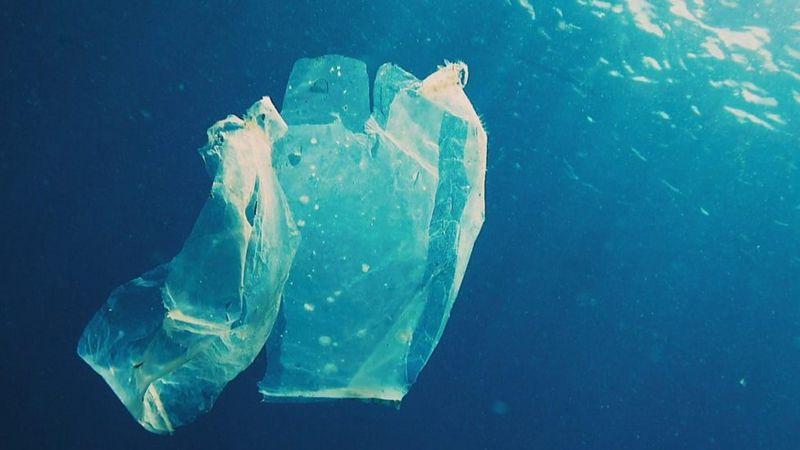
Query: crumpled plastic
point(351, 228)
point(169, 341)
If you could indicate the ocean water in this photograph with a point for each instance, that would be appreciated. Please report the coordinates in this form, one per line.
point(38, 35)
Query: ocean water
point(636, 284)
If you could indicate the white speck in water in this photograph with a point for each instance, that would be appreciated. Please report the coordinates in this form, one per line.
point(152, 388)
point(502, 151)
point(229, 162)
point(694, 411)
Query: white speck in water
point(638, 154)
point(324, 341)
point(651, 63)
point(308, 307)
point(643, 79)
point(365, 267)
point(304, 199)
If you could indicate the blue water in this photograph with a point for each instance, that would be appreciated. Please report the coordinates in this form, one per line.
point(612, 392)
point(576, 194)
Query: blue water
point(636, 284)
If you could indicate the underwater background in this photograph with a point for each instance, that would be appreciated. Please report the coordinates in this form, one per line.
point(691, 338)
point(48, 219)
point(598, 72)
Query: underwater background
point(636, 284)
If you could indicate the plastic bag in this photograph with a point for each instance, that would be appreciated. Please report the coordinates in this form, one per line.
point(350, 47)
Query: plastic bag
point(388, 206)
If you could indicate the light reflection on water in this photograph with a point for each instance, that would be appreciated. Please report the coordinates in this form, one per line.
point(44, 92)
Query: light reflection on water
point(748, 50)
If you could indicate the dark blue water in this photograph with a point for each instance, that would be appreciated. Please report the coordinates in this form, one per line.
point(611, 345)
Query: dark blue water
point(637, 282)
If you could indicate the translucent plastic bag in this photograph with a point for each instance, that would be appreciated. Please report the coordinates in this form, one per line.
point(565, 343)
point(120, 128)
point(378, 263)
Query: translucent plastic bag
point(168, 342)
point(388, 205)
